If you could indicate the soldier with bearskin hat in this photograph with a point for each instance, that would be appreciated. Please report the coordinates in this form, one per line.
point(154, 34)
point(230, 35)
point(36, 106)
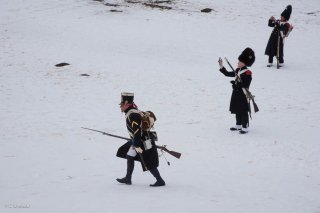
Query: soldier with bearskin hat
point(281, 29)
point(239, 104)
point(142, 145)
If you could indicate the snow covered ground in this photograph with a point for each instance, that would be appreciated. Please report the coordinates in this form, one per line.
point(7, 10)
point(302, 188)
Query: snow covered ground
point(168, 58)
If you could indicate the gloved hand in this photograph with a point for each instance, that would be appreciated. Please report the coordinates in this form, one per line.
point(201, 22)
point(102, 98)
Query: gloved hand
point(138, 149)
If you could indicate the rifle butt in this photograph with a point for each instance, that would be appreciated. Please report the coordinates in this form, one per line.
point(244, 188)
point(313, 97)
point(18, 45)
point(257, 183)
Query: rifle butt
point(175, 154)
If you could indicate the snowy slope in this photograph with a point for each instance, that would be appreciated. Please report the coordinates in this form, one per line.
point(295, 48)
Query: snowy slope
point(168, 58)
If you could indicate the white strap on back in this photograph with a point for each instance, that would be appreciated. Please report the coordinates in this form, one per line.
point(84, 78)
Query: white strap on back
point(242, 71)
point(239, 73)
point(133, 111)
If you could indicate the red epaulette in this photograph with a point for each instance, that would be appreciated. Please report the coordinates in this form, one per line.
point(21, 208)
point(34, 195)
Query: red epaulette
point(248, 72)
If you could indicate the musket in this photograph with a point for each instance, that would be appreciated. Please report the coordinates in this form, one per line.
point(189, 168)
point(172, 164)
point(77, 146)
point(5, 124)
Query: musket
point(278, 43)
point(278, 49)
point(162, 148)
point(116, 136)
point(173, 153)
point(245, 90)
point(105, 133)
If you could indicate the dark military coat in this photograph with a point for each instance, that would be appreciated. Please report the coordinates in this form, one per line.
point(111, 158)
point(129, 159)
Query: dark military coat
point(238, 102)
point(279, 27)
point(138, 137)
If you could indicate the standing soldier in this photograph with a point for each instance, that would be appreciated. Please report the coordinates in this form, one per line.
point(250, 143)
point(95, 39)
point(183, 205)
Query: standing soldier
point(243, 76)
point(142, 146)
point(281, 30)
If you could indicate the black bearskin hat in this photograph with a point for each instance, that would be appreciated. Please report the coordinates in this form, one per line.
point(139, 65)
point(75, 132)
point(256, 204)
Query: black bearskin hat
point(127, 96)
point(287, 12)
point(247, 57)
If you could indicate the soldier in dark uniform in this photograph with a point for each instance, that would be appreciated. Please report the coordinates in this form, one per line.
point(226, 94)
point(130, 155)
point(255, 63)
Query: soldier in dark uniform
point(281, 29)
point(239, 104)
point(142, 145)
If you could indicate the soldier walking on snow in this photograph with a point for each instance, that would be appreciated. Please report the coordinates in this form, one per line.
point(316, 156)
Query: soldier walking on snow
point(239, 104)
point(142, 146)
point(276, 41)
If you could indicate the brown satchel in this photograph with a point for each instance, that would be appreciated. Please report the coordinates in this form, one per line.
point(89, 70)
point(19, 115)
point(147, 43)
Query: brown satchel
point(148, 119)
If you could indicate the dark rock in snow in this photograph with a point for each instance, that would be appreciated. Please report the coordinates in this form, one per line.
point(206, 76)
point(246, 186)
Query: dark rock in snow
point(206, 10)
point(157, 6)
point(62, 64)
point(161, 2)
point(313, 13)
point(133, 2)
point(116, 11)
point(84, 74)
point(112, 5)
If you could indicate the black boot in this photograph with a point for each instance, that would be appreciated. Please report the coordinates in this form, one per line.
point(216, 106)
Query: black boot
point(156, 174)
point(243, 131)
point(130, 167)
point(158, 183)
point(124, 180)
point(236, 128)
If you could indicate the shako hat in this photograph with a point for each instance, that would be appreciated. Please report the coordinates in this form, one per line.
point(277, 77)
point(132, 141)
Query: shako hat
point(127, 96)
point(247, 57)
point(287, 12)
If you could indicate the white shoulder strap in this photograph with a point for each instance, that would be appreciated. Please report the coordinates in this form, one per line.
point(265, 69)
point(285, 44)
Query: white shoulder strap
point(237, 77)
point(242, 71)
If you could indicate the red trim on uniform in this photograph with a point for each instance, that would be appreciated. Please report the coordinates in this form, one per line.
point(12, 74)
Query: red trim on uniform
point(133, 104)
point(248, 72)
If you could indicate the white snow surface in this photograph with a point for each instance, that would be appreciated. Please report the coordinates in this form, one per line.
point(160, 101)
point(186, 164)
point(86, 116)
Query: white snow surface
point(168, 58)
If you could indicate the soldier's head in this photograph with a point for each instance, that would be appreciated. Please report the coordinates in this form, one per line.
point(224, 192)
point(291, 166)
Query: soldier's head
point(285, 15)
point(246, 58)
point(126, 100)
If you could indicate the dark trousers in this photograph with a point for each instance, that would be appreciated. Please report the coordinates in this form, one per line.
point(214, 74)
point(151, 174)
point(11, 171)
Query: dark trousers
point(155, 172)
point(243, 119)
point(130, 167)
point(280, 59)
